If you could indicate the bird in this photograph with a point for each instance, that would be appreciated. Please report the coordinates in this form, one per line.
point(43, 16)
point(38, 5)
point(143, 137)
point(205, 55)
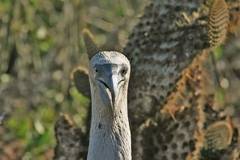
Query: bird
point(109, 73)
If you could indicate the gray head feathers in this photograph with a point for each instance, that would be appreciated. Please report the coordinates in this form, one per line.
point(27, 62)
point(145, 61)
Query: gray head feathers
point(109, 57)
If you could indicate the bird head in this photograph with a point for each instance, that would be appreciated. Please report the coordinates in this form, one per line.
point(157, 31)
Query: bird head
point(109, 73)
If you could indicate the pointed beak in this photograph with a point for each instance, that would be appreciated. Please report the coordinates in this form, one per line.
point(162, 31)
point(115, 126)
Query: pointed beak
point(113, 87)
point(110, 84)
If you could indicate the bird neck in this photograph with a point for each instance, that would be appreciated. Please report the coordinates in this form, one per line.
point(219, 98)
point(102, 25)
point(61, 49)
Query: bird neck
point(110, 137)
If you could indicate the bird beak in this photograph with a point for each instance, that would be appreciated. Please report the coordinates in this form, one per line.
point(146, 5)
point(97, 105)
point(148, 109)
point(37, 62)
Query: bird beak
point(114, 88)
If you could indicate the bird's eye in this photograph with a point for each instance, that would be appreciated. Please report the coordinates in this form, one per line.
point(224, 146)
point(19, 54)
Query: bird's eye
point(123, 71)
point(96, 70)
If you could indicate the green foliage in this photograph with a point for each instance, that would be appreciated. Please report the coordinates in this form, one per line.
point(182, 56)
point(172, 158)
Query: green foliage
point(18, 127)
point(82, 104)
point(48, 45)
point(34, 128)
point(218, 53)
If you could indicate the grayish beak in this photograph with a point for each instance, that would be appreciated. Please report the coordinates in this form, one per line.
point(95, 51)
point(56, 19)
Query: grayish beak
point(113, 87)
point(111, 80)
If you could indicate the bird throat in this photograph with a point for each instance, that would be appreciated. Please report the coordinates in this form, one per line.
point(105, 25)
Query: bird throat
point(110, 137)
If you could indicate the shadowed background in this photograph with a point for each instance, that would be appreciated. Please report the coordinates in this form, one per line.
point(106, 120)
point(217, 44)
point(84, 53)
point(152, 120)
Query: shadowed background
point(40, 44)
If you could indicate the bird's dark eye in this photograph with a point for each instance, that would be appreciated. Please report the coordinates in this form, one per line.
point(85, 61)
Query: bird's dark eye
point(96, 70)
point(123, 71)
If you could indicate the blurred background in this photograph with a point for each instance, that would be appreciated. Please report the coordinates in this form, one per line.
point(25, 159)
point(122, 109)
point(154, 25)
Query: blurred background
point(40, 45)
